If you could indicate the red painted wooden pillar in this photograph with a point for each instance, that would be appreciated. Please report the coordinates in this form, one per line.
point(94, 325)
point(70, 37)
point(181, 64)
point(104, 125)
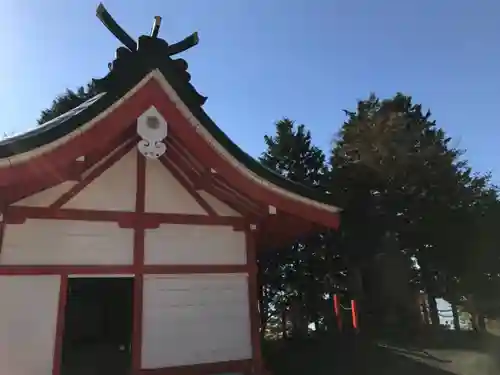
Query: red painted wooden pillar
point(2, 231)
point(61, 312)
point(139, 233)
point(253, 299)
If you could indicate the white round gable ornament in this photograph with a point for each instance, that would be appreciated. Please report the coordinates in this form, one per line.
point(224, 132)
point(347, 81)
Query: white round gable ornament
point(153, 129)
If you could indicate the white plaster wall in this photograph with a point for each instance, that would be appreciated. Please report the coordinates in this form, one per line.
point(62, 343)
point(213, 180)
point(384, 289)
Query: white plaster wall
point(194, 244)
point(46, 197)
point(52, 242)
point(28, 316)
point(165, 194)
point(193, 319)
point(115, 189)
point(219, 207)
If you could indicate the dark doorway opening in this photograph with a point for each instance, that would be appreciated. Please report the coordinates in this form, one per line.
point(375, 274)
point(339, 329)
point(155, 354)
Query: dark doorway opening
point(98, 326)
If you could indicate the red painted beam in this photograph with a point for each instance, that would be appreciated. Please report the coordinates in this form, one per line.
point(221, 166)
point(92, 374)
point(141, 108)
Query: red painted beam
point(102, 150)
point(167, 269)
point(175, 158)
point(72, 172)
point(191, 160)
point(95, 173)
point(16, 192)
point(214, 186)
point(110, 126)
point(194, 141)
point(187, 186)
point(201, 179)
point(65, 270)
point(17, 214)
point(195, 268)
point(179, 159)
point(103, 132)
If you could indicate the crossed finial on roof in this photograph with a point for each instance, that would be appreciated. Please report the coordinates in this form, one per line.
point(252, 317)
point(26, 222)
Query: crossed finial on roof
point(120, 34)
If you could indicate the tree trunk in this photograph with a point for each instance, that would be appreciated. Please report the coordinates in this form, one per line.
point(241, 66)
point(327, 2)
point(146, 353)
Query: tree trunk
point(478, 322)
point(481, 322)
point(355, 282)
point(332, 321)
point(430, 288)
point(433, 310)
point(263, 312)
point(298, 318)
point(477, 319)
point(473, 322)
point(284, 334)
point(425, 312)
point(456, 317)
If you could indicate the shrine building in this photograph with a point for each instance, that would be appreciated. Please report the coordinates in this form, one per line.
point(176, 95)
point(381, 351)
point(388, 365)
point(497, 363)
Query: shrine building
point(130, 228)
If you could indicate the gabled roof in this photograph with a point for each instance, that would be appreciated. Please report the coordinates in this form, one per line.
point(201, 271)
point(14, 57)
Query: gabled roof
point(56, 128)
point(138, 80)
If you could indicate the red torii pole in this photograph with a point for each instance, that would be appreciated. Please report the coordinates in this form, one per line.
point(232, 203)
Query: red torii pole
point(338, 313)
point(354, 312)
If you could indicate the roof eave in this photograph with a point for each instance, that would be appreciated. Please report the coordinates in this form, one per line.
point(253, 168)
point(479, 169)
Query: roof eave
point(187, 113)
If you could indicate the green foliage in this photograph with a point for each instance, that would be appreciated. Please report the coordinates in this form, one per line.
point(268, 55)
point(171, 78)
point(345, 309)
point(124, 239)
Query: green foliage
point(480, 280)
point(68, 101)
point(303, 272)
point(394, 167)
point(292, 154)
point(394, 172)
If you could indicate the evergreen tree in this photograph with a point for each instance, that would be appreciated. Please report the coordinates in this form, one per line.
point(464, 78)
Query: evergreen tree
point(396, 172)
point(396, 175)
point(68, 101)
point(296, 275)
point(480, 280)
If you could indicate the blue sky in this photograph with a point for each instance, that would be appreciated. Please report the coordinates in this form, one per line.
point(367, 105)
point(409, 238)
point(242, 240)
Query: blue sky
point(260, 60)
